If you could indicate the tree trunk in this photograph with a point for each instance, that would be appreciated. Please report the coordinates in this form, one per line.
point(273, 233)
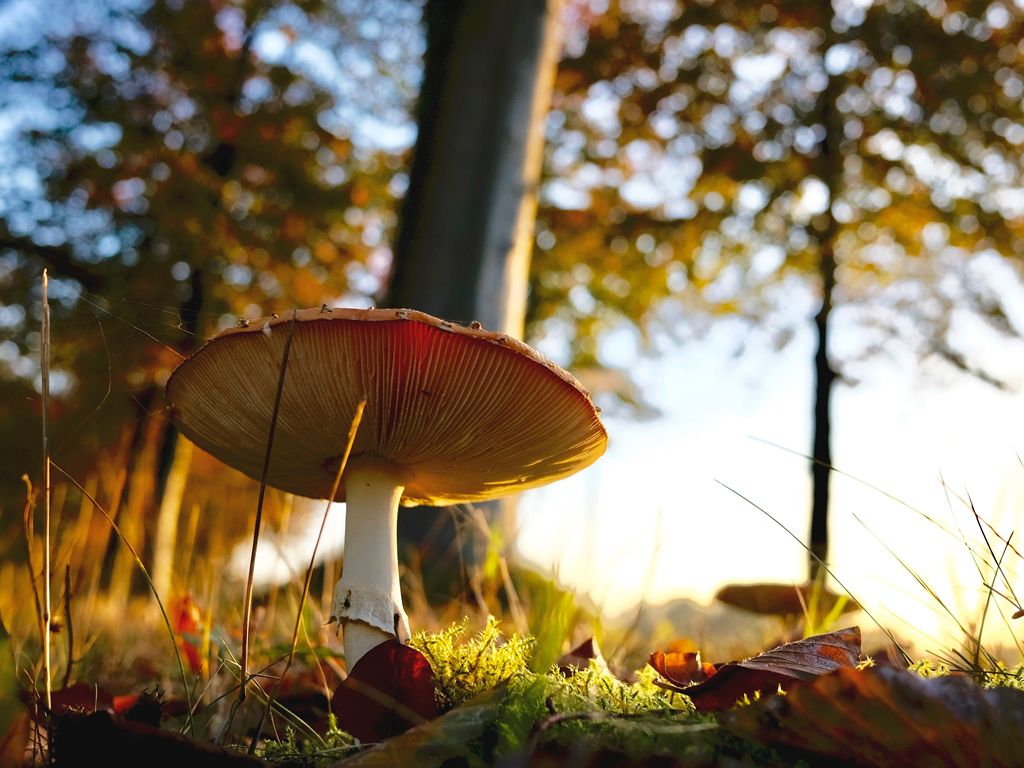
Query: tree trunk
point(463, 249)
point(824, 375)
point(824, 379)
point(166, 538)
point(175, 457)
point(466, 234)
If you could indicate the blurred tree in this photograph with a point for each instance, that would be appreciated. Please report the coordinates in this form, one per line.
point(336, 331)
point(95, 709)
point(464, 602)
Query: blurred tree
point(464, 243)
point(177, 166)
point(466, 233)
point(712, 155)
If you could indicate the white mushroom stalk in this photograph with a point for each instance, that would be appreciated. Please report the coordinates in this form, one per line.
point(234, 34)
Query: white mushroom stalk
point(368, 597)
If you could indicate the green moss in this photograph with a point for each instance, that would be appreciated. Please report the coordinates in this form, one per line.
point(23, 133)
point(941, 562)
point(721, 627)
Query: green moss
point(588, 702)
point(464, 668)
point(1003, 676)
point(291, 751)
point(503, 708)
point(928, 669)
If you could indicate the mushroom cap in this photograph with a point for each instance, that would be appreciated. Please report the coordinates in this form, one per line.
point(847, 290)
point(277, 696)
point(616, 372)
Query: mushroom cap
point(463, 414)
point(783, 599)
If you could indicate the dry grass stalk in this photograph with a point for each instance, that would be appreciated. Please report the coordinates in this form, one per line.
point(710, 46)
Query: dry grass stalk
point(357, 419)
point(70, 626)
point(44, 365)
point(247, 604)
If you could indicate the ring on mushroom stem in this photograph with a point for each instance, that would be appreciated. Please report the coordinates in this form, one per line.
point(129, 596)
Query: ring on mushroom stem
point(454, 414)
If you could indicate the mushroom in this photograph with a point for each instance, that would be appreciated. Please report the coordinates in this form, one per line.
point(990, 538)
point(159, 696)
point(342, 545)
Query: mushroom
point(785, 600)
point(453, 414)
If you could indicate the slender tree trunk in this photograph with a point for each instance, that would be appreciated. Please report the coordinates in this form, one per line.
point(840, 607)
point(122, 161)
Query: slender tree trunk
point(175, 457)
point(824, 379)
point(466, 234)
point(140, 497)
point(166, 537)
point(824, 375)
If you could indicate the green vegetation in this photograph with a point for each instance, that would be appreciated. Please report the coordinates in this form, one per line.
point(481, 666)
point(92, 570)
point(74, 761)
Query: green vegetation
point(291, 750)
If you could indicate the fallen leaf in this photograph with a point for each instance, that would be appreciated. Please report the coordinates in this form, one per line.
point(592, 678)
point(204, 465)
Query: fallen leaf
point(448, 740)
point(146, 707)
point(103, 739)
point(388, 691)
point(883, 716)
point(82, 698)
point(580, 657)
point(783, 666)
point(14, 739)
point(87, 698)
point(186, 620)
point(14, 719)
point(680, 663)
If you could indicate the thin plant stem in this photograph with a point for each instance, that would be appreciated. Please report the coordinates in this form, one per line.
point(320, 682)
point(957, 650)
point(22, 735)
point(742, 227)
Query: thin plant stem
point(70, 625)
point(1007, 545)
point(44, 365)
point(985, 610)
point(247, 605)
point(149, 582)
point(30, 540)
point(824, 566)
point(357, 419)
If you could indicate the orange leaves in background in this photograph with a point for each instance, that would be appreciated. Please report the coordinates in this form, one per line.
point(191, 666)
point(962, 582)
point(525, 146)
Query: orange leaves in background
point(783, 666)
point(887, 717)
point(187, 623)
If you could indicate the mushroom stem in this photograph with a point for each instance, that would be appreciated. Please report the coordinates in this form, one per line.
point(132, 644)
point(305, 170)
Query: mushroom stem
point(368, 597)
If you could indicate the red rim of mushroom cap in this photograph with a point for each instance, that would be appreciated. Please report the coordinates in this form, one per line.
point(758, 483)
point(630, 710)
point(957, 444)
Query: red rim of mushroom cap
point(464, 414)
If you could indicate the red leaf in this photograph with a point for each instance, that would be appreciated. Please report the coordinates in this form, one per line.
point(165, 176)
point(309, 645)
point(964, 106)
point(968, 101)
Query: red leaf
point(186, 620)
point(185, 616)
point(121, 704)
point(82, 698)
point(786, 665)
point(581, 656)
point(389, 690)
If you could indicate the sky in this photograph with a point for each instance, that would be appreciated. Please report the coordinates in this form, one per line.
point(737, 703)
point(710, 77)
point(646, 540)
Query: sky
point(660, 516)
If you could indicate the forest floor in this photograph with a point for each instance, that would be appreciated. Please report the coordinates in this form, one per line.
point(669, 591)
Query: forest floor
point(473, 691)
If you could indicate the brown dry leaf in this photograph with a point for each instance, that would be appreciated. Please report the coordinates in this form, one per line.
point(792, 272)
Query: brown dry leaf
point(783, 666)
point(891, 718)
point(581, 656)
point(103, 739)
point(14, 740)
point(680, 663)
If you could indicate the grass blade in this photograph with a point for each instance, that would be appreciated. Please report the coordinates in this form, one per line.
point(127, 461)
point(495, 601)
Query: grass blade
point(44, 367)
point(247, 606)
point(149, 582)
point(824, 566)
point(357, 419)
